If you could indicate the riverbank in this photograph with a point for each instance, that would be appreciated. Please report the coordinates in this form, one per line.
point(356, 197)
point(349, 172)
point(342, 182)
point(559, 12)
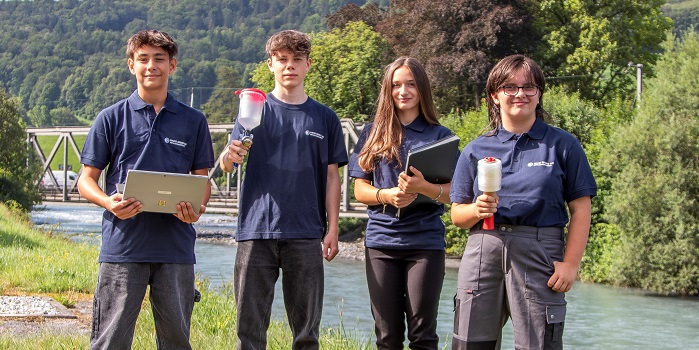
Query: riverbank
point(45, 263)
point(598, 316)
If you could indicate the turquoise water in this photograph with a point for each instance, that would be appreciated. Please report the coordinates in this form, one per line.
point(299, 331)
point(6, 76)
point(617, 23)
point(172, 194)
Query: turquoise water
point(598, 316)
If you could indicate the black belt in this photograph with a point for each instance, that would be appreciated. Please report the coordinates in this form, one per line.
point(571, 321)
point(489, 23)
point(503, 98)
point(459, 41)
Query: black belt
point(520, 230)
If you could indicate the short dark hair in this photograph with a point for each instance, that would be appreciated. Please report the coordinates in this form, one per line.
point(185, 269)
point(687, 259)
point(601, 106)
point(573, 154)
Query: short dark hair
point(151, 37)
point(506, 69)
point(296, 42)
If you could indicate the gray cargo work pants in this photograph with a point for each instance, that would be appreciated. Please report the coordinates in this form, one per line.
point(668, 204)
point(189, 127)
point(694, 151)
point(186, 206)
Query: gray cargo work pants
point(504, 274)
point(119, 295)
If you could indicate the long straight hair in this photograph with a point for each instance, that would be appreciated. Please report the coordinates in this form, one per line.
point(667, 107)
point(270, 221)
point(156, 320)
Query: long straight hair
point(386, 136)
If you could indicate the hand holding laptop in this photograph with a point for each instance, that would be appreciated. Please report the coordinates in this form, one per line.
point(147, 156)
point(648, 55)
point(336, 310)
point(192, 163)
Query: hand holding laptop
point(186, 212)
point(161, 192)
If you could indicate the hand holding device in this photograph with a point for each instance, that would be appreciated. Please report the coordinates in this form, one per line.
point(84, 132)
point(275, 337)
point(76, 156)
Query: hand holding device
point(252, 103)
point(489, 181)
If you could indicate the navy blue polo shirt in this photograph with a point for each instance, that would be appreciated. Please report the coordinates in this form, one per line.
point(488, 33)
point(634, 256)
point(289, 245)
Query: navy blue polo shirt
point(123, 137)
point(542, 170)
point(422, 229)
point(284, 189)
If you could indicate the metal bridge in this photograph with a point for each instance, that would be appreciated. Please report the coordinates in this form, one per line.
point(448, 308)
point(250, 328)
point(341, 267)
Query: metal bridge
point(224, 193)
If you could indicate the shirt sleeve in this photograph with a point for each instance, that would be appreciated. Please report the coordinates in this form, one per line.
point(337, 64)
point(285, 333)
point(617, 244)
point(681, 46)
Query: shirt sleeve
point(337, 150)
point(354, 169)
point(95, 151)
point(464, 178)
point(204, 153)
point(579, 180)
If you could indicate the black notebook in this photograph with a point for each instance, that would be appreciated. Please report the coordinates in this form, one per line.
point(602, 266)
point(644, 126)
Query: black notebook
point(436, 161)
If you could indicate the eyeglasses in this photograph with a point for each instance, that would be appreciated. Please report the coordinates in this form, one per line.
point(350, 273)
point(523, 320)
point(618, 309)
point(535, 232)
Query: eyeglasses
point(512, 90)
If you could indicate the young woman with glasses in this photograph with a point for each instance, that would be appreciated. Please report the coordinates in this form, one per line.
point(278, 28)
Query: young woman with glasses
point(522, 268)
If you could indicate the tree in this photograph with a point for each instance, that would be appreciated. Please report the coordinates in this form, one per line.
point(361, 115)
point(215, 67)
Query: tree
point(63, 116)
point(684, 14)
point(655, 193)
point(262, 77)
point(222, 106)
point(458, 41)
point(39, 116)
point(17, 181)
point(593, 41)
point(371, 14)
point(346, 70)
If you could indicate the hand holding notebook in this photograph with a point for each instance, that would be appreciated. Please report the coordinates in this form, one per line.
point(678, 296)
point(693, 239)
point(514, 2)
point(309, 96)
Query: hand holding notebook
point(436, 162)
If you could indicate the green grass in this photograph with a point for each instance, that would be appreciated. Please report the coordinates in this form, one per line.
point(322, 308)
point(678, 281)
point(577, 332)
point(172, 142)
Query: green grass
point(37, 262)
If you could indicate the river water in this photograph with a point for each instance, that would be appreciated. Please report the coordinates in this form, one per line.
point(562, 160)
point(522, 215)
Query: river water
point(598, 316)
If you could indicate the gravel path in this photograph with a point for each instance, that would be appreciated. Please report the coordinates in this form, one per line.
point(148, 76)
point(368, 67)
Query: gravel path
point(27, 306)
point(25, 316)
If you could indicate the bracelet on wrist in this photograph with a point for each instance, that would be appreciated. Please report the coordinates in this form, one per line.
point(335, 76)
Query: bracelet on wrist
point(436, 199)
point(378, 199)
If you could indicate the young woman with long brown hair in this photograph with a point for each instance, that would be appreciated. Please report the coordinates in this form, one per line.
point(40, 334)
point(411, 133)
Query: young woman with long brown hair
point(404, 256)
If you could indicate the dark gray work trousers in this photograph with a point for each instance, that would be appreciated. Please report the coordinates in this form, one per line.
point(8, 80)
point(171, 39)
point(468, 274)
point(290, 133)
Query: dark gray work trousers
point(257, 265)
point(504, 274)
point(119, 295)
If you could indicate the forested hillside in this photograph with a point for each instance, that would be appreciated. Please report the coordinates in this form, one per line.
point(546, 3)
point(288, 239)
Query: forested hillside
point(66, 58)
point(684, 13)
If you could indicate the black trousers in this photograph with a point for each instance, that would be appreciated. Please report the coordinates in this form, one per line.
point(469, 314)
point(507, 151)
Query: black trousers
point(404, 287)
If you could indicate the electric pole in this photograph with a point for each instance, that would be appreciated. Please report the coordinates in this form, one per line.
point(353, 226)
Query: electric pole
point(639, 82)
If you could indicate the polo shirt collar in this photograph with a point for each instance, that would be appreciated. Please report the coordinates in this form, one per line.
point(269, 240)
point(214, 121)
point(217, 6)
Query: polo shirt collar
point(536, 132)
point(419, 124)
point(137, 102)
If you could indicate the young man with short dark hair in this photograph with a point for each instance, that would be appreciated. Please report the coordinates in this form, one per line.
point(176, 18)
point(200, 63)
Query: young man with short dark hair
point(290, 201)
point(149, 130)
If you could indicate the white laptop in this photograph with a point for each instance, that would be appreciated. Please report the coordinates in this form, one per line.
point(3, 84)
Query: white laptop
point(160, 192)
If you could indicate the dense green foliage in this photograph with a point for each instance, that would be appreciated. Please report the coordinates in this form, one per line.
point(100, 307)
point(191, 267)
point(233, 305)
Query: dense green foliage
point(71, 53)
point(65, 59)
point(593, 42)
point(654, 167)
point(684, 14)
point(16, 177)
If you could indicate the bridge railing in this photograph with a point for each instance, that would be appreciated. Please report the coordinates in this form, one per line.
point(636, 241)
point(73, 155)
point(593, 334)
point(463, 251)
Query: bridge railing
point(225, 187)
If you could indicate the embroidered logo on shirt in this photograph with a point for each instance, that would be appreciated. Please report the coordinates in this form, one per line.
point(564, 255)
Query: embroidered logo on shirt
point(548, 164)
point(314, 134)
point(175, 142)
